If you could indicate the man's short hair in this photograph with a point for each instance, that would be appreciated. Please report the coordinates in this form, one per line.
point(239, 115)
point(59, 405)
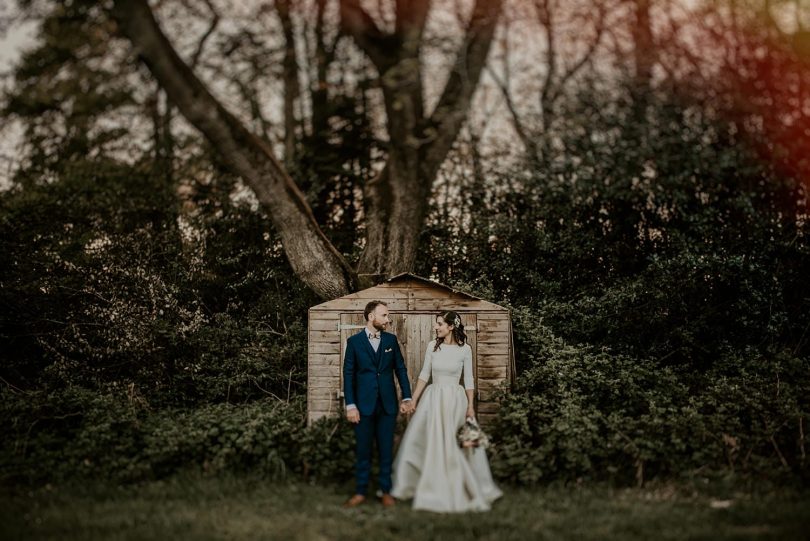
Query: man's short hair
point(370, 307)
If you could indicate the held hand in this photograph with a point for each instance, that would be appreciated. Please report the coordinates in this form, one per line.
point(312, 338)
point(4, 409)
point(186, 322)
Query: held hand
point(353, 415)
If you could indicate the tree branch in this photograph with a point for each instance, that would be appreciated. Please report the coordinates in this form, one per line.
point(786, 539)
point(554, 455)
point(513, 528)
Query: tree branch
point(379, 46)
point(292, 89)
point(410, 25)
point(411, 18)
point(451, 111)
point(545, 16)
point(313, 258)
point(586, 57)
point(517, 123)
point(211, 28)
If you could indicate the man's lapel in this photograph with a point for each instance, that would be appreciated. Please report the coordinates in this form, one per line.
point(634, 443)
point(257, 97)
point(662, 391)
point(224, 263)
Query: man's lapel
point(367, 342)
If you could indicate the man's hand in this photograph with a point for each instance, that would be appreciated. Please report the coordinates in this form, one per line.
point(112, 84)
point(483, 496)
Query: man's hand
point(406, 407)
point(353, 415)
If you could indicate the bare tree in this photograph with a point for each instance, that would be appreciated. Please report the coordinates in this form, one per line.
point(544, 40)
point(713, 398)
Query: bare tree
point(558, 73)
point(396, 201)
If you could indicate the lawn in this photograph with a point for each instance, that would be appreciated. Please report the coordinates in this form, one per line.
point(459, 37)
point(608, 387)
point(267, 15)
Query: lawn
point(216, 508)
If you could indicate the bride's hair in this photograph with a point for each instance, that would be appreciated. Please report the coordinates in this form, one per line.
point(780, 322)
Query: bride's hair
point(459, 336)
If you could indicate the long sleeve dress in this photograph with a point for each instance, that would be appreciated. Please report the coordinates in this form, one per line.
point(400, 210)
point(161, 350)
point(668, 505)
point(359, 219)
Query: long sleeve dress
point(430, 466)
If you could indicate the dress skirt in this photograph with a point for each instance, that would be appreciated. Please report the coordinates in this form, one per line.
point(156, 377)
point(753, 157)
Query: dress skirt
point(431, 468)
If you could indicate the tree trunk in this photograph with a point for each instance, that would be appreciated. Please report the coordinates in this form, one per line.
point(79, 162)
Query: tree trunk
point(312, 257)
point(397, 200)
point(644, 56)
point(291, 87)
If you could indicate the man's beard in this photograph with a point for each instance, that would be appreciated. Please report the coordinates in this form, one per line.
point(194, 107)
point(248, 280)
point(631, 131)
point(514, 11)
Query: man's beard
point(378, 326)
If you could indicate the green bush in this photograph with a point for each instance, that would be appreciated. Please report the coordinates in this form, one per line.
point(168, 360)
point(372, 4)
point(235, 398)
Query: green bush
point(584, 412)
point(114, 438)
point(97, 294)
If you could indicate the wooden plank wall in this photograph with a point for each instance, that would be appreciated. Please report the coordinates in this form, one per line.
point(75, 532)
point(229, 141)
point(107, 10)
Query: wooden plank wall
point(323, 366)
point(493, 360)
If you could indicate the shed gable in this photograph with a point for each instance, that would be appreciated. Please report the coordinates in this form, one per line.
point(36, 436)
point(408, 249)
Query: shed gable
point(408, 292)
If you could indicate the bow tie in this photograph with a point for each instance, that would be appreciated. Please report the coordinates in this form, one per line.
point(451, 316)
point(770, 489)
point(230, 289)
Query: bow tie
point(373, 335)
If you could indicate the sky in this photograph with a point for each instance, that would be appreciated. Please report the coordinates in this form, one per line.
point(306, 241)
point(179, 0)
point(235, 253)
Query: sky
point(12, 42)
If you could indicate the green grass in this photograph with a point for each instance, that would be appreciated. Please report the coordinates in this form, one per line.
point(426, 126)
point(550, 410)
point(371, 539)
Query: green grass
point(216, 508)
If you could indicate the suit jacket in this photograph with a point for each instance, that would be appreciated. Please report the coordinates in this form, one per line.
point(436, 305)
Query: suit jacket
point(367, 375)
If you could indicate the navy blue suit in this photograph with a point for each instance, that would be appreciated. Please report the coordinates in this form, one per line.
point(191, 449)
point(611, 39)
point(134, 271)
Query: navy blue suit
point(368, 383)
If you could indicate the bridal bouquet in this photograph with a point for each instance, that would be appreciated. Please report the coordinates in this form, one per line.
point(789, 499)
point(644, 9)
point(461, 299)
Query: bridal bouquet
point(471, 435)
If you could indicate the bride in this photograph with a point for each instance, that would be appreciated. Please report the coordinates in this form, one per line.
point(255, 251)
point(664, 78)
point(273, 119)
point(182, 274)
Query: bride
point(430, 466)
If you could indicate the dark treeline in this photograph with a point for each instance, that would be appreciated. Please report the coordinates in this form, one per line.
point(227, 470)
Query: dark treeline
point(648, 232)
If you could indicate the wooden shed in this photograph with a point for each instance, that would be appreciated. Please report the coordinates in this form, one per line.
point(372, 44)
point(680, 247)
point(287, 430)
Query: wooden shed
point(413, 303)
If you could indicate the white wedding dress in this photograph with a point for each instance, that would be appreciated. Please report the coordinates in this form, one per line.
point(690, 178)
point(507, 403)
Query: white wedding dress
point(430, 466)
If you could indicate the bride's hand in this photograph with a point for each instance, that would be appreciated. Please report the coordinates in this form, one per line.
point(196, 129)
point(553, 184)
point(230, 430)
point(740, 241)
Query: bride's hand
point(470, 413)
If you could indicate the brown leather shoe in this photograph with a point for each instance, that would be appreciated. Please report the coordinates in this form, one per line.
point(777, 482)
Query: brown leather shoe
point(388, 500)
point(354, 501)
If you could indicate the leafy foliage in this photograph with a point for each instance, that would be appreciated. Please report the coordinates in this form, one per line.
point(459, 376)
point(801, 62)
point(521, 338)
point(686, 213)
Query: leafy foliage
point(79, 433)
point(102, 294)
point(582, 412)
point(657, 280)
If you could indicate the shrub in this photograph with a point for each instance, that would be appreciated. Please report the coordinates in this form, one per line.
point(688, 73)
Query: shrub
point(584, 412)
point(113, 438)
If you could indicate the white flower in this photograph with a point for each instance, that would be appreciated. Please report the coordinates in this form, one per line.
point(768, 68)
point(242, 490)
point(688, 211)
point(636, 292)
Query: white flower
point(471, 435)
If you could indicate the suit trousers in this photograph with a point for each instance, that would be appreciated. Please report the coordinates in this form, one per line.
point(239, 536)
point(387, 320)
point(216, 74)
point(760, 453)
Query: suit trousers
point(378, 427)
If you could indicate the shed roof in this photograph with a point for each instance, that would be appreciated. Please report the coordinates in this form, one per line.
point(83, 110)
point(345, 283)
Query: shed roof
point(409, 281)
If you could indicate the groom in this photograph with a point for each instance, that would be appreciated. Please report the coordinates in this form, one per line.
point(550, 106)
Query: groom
point(372, 358)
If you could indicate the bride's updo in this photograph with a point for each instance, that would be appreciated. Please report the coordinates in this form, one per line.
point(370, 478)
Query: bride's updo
point(459, 336)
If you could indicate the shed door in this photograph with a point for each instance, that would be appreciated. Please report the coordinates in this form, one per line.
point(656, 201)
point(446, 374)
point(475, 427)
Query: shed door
point(418, 333)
